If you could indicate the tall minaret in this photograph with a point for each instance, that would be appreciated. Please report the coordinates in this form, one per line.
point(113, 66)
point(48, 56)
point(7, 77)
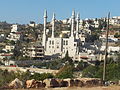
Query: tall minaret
point(44, 32)
point(77, 26)
point(72, 24)
point(53, 25)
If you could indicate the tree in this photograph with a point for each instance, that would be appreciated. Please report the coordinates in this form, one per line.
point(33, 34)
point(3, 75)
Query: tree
point(42, 76)
point(81, 65)
point(117, 35)
point(93, 37)
point(90, 71)
point(68, 59)
point(12, 42)
point(65, 72)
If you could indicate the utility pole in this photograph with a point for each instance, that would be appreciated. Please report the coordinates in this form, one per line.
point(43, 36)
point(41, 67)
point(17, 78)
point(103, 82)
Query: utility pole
point(106, 48)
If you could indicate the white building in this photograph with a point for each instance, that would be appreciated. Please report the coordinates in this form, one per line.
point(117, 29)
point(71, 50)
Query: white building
point(58, 46)
point(9, 48)
point(111, 48)
point(14, 35)
point(96, 23)
point(115, 20)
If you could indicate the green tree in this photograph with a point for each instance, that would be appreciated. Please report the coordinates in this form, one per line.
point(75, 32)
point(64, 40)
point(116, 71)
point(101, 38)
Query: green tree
point(117, 35)
point(65, 72)
point(67, 59)
point(90, 71)
point(12, 42)
point(81, 65)
point(42, 76)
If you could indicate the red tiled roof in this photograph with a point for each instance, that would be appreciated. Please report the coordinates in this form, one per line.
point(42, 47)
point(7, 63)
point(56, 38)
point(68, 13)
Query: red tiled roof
point(18, 32)
point(84, 57)
point(6, 55)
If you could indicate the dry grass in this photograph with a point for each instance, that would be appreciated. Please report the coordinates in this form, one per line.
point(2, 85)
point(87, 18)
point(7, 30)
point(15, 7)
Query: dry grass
point(79, 88)
point(90, 88)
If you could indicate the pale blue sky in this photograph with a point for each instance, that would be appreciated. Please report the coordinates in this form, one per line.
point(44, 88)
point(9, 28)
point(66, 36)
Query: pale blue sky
point(23, 11)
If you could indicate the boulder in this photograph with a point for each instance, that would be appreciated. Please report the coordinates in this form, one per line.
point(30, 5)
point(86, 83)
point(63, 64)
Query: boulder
point(30, 83)
point(54, 83)
point(90, 82)
point(35, 84)
point(72, 83)
point(63, 83)
point(16, 84)
point(51, 83)
point(78, 83)
point(47, 82)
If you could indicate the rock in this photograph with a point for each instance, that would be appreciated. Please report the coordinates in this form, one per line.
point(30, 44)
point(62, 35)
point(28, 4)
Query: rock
point(47, 82)
point(68, 81)
point(72, 83)
point(78, 83)
point(30, 83)
point(63, 83)
point(54, 83)
point(34, 84)
point(90, 82)
point(51, 83)
point(15, 84)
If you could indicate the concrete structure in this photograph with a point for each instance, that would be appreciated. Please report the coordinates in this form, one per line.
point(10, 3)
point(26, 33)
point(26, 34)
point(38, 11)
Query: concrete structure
point(34, 51)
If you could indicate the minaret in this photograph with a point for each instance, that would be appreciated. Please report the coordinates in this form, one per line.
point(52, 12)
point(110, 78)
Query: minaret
point(53, 25)
point(72, 24)
point(77, 26)
point(44, 32)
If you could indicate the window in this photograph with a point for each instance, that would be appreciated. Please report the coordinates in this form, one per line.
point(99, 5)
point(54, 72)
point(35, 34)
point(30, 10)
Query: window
point(57, 46)
point(52, 42)
point(74, 44)
point(49, 42)
point(66, 42)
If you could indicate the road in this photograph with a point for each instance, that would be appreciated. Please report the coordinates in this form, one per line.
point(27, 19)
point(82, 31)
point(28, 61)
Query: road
point(37, 70)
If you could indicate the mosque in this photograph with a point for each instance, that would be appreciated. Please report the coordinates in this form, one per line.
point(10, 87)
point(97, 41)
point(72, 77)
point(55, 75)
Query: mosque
point(58, 46)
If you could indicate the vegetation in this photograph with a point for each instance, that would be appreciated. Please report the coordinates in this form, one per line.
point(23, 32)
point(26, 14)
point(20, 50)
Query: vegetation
point(117, 35)
point(65, 72)
point(6, 77)
point(112, 70)
point(42, 76)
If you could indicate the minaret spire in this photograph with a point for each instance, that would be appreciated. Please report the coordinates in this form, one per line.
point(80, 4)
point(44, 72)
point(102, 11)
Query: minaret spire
point(45, 20)
point(73, 21)
point(77, 26)
point(53, 25)
point(44, 32)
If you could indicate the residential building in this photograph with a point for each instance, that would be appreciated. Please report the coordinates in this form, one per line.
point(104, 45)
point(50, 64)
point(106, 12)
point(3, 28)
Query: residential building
point(34, 51)
point(14, 34)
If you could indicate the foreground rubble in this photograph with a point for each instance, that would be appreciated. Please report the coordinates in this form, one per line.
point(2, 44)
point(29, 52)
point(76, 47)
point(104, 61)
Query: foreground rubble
point(54, 83)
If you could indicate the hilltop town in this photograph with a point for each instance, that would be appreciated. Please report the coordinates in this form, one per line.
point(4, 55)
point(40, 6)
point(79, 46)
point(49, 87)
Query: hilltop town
point(70, 48)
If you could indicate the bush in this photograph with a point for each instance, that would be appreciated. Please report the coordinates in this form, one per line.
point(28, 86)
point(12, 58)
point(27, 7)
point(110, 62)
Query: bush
point(42, 76)
point(65, 72)
point(90, 71)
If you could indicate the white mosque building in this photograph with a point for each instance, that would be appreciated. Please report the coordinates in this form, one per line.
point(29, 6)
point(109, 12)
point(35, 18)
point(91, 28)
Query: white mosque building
point(58, 46)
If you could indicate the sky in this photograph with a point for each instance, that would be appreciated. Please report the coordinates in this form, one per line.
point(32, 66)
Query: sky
point(23, 11)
